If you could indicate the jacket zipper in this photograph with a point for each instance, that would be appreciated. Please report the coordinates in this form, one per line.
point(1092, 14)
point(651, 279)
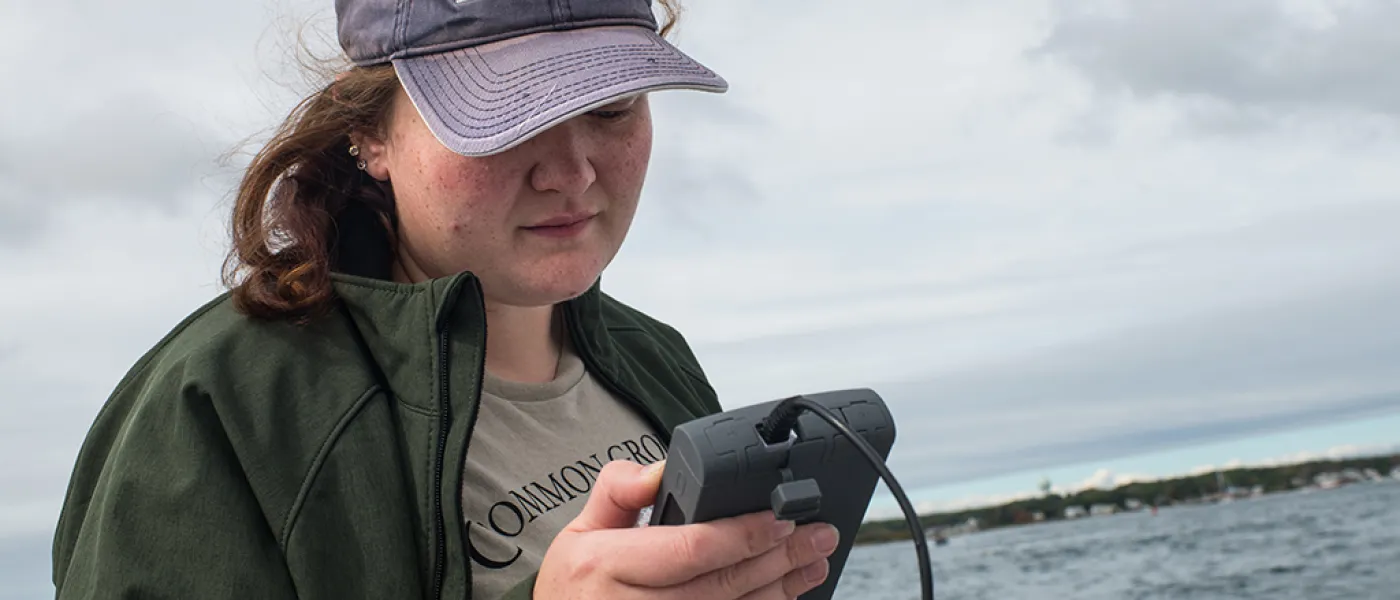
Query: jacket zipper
point(589, 361)
point(445, 410)
point(445, 416)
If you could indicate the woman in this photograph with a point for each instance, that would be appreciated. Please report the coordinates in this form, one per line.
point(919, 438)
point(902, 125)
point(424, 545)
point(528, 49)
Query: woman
point(342, 425)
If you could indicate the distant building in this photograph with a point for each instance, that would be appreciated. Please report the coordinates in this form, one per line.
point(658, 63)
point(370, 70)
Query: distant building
point(1132, 504)
point(1099, 510)
point(971, 525)
point(1075, 512)
point(1328, 481)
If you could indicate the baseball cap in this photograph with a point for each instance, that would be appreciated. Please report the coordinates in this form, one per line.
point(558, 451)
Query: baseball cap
point(487, 75)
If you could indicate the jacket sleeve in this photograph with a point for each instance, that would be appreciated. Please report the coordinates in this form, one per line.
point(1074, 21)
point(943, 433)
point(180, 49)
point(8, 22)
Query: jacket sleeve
point(158, 507)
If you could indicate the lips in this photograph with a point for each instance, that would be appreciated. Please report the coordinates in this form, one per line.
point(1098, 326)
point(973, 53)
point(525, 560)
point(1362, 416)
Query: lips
point(562, 220)
point(567, 226)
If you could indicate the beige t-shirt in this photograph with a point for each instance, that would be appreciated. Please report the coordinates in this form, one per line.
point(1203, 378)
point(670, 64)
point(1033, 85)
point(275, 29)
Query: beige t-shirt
point(534, 455)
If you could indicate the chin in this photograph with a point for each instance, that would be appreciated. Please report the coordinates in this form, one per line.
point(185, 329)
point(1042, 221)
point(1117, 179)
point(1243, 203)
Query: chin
point(544, 291)
point(535, 296)
point(548, 282)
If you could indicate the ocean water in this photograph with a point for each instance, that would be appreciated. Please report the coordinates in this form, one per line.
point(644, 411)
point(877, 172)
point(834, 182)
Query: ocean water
point(1339, 543)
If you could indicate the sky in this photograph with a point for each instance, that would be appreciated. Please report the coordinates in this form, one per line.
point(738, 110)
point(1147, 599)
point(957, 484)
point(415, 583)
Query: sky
point(1058, 237)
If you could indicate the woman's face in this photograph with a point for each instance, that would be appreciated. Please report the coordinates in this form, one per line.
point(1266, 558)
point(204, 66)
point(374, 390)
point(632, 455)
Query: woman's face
point(537, 223)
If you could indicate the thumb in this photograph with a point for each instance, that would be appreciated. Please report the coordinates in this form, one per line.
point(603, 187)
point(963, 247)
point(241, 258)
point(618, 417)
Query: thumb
point(622, 490)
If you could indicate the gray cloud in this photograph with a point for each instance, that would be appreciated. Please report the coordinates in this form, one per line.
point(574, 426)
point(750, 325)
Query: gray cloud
point(1225, 373)
point(692, 131)
point(139, 114)
point(131, 159)
point(1148, 438)
point(1246, 54)
point(19, 225)
point(1069, 357)
point(127, 150)
point(24, 567)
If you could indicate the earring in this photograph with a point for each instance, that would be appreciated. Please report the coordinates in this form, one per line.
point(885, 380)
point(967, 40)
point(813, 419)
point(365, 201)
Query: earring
point(355, 151)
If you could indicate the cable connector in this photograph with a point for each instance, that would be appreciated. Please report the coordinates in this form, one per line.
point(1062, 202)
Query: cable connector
point(777, 426)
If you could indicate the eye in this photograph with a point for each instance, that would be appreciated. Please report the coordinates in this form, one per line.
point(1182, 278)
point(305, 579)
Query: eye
point(610, 115)
point(614, 111)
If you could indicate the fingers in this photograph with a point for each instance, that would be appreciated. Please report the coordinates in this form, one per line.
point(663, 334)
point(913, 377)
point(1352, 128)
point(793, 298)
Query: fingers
point(622, 489)
point(672, 555)
point(805, 579)
point(793, 584)
point(783, 565)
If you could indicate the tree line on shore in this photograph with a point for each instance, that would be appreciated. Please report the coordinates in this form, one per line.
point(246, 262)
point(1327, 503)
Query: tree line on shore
point(1164, 492)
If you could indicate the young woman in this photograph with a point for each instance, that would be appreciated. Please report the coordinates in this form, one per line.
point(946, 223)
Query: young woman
point(415, 387)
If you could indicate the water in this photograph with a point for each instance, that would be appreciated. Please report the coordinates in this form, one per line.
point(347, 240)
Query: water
point(1340, 543)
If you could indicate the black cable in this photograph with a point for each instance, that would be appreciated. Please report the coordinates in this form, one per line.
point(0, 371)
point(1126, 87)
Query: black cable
point(777, 426)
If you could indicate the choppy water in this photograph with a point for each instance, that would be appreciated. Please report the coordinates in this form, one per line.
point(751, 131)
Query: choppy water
point(1340, 543)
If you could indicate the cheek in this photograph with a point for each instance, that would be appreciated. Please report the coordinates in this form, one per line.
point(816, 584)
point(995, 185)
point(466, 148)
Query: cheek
point(639, 150)
point(459, 195)
point(632, 157)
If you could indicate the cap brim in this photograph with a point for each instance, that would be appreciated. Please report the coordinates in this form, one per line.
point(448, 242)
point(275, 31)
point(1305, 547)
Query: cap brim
point(487, 99)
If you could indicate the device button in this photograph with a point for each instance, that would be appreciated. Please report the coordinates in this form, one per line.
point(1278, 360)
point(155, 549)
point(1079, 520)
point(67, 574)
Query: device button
point(861, 416)
point(725, 436)
point(726, 440)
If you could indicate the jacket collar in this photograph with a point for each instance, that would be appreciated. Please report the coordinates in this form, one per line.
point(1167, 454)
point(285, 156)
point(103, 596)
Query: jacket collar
point(402, 323)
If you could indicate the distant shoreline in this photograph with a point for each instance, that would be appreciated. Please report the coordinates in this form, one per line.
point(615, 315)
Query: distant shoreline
point(1143, 496)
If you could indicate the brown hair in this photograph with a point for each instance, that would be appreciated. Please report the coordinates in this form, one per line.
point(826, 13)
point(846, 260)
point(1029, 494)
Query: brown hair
point(302, 194)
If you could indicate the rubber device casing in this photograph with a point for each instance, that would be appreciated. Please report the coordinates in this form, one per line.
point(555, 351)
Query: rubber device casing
point(718, 466)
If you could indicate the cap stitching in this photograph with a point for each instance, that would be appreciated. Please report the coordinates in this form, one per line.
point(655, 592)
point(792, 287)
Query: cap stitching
point(444, 113)
point(502, 102)
point(497, 142)
point(632, 48)
point(528, 76)
point(400, 24)
point(502, 96)
point(556, 10)
point(522, 78)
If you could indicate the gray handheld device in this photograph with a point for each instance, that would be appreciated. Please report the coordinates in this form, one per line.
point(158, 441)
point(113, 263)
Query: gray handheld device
point(720, 466)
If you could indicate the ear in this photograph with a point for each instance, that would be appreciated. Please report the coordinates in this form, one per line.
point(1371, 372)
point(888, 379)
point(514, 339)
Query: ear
point(374, 151)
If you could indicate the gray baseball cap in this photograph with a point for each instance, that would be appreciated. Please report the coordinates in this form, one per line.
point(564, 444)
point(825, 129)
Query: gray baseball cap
point(487, 75)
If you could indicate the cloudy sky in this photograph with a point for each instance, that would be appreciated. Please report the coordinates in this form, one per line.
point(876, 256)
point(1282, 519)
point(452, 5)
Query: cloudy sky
point(1054, 235)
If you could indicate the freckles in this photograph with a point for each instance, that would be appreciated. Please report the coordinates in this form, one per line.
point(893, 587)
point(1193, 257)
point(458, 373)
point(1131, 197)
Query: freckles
point(467, 196)
point(634, 155)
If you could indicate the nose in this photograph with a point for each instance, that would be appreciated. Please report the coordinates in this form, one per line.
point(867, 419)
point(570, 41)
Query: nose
point(563, 164)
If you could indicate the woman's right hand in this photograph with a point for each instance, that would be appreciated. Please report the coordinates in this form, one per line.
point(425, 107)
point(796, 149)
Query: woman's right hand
point(601, 554)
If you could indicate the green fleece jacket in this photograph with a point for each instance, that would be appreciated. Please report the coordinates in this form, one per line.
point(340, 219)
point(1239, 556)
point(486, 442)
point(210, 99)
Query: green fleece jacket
point(251, 459)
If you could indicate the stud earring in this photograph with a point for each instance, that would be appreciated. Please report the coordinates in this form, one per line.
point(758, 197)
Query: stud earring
point(355, 151)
